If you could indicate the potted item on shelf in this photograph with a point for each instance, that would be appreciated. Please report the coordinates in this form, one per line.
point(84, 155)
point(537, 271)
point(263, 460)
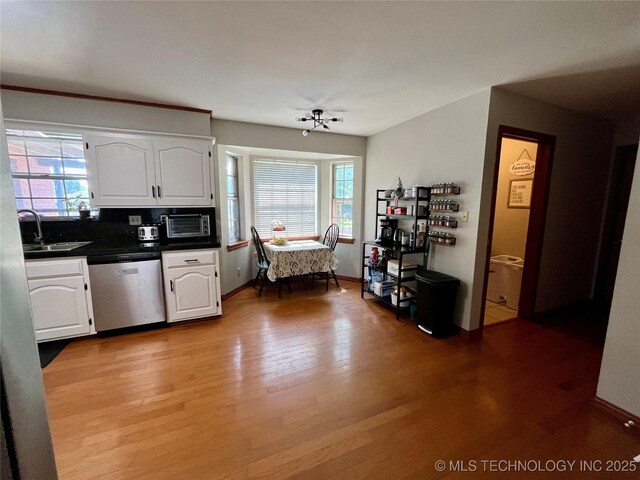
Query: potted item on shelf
point(398, 193)
point(278, 235)
point(83, 210)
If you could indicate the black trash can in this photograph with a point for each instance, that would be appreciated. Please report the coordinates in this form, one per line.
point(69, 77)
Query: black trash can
point(436, 302)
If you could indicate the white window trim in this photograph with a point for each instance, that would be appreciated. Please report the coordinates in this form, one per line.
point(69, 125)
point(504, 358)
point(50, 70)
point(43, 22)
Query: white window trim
point(254, 158)
point(53, 128)
point(332, 191)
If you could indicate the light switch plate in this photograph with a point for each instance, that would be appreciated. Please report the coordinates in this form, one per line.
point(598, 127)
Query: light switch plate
point(135, 220)
point(465, 216)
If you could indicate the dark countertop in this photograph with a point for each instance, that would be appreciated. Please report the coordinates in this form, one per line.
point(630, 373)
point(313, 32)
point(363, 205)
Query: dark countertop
point(111, 248)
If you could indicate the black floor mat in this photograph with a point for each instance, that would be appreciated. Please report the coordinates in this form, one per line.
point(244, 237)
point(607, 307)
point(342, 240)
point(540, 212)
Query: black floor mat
point(50, 350)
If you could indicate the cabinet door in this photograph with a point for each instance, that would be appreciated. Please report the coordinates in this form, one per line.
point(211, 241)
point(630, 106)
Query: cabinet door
point(59, 307)
point(120, 171)
point(192, 292)
point(183, 172)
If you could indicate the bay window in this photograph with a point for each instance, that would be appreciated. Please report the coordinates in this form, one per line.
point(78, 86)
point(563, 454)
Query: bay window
point(286, 191)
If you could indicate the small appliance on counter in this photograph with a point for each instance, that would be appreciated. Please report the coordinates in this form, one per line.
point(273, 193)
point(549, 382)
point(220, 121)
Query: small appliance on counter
point(148, 233)
point(187, 225)
point(387, 230)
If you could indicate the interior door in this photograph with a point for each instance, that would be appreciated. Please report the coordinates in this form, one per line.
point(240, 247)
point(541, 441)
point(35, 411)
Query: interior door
point(192, 292)
point(59, 307)
point(617, 207)
point(120, 171)
point(183, 172)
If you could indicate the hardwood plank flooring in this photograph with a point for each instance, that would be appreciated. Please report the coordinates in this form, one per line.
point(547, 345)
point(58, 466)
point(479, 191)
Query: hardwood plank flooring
point(324, 385)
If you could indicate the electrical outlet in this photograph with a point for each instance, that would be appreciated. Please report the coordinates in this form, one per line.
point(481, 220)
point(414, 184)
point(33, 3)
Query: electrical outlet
point(135, 220)
point(465, 216)
point(238, 271)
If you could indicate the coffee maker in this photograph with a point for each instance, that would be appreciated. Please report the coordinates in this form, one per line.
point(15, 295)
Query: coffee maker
point(388, 227)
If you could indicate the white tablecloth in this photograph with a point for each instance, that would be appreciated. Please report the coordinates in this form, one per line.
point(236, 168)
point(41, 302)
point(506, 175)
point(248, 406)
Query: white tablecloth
point(299, 257)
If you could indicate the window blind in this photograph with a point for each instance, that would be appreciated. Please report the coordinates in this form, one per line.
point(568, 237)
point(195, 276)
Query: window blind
point(285, 191)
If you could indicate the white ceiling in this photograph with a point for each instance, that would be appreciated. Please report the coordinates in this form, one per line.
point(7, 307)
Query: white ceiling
point(374, 63)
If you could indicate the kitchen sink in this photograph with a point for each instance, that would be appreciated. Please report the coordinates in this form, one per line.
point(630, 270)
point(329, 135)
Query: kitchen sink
point(53, 247)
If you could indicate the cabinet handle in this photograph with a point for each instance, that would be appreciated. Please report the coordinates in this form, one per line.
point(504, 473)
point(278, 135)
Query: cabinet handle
point(153, 191)
point(195, 260)
point(159, 192)
point(171, 284)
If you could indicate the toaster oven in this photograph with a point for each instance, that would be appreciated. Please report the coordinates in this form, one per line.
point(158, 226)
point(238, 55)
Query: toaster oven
point(187, 225)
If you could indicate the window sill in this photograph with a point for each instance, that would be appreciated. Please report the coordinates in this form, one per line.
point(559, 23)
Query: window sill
point(237, 245)
point(348, 240)
point(302, 237)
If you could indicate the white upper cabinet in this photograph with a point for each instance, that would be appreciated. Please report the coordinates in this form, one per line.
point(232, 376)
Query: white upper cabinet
point(120, 171)
point(148, 171)
point(183, 172)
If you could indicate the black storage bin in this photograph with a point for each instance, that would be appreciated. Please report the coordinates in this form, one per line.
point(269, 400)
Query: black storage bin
point(436, 302)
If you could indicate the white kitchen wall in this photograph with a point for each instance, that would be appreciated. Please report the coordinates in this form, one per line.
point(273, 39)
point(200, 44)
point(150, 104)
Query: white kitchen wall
point(577, 193)
point(94, 113)
point(619, 374)
point(446, 144)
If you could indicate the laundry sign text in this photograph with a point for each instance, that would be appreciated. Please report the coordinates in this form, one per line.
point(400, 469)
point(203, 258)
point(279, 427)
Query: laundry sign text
point(522, 167)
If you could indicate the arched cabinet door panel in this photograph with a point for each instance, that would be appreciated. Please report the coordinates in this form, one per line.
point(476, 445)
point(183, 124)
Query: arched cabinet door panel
point(192, 292)
point(59, 307)
point(191, 284)
point(183, 172)
point(120, 171)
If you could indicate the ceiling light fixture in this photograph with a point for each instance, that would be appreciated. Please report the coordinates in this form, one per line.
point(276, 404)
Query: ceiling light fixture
point(316, 117)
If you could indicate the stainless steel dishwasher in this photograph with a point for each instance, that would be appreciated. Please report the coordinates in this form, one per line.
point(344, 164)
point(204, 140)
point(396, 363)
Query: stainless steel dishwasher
point(126, 290)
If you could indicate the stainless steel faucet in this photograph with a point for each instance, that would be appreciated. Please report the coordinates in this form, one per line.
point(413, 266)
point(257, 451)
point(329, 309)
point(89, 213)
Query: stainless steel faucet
point(39, 237)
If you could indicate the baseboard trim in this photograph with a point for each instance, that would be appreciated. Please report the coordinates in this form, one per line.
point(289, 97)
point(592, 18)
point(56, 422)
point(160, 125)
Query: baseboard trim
point(470, 334)
point(616, 411)
point(348, 279)
point(563, 309)
point(236, 290)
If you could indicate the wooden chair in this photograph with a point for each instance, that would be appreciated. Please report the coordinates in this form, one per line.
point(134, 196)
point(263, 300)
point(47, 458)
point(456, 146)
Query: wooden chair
point(263, 264)
point(331, 240)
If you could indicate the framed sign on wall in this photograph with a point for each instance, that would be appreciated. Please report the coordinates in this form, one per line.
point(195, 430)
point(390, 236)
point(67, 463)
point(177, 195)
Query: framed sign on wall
point(520, 194)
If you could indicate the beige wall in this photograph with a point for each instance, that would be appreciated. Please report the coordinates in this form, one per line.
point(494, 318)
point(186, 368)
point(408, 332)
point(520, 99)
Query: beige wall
point(619, 374)
point(228, 132)
point(510, 224)
point(446, 144)
point(575, 213)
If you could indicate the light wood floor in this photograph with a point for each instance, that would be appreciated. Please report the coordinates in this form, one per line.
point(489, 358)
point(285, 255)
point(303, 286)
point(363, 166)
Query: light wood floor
point(322, 386)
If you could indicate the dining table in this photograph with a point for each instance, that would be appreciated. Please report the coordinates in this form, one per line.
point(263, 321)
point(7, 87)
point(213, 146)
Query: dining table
point(299, 257)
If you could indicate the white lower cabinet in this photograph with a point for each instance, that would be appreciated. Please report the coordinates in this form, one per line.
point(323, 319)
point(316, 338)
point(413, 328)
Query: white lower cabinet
point(60, 295)
point(191, 284)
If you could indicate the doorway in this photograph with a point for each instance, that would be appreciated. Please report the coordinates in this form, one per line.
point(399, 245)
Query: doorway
point(616, 214)
point(519, 202)
point(516, 174)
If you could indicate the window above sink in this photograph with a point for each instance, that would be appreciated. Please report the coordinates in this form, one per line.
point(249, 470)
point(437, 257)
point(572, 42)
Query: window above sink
point(49, 172)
